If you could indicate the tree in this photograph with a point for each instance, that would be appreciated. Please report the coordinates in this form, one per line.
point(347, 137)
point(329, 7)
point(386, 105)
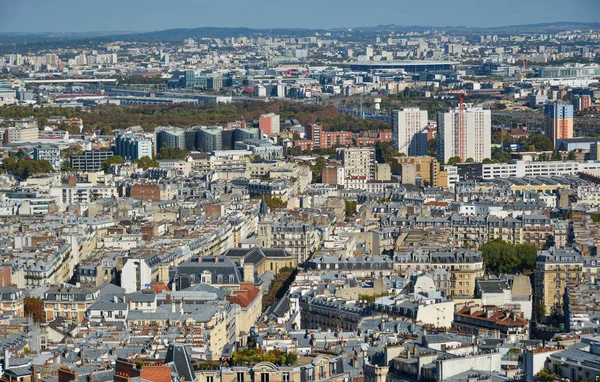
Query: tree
point(26, 167)
point(145, 163)
point(469, 160)
point(489, 161)
point(34, 307)
point(572, 155)
point(541, 143)
point(275, 202)
point(556, 155)
point(432, 146)
point(502, 257)
point(454, 160)
point(115, 159)
point(174, 153)
point(546, 375)
point(350, 207)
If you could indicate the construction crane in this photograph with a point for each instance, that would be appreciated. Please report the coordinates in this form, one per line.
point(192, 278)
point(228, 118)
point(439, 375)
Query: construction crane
point(461, 122)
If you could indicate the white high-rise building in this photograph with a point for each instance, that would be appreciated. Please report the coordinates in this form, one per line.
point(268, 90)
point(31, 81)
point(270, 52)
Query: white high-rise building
point(476, 140)
point(407, 131)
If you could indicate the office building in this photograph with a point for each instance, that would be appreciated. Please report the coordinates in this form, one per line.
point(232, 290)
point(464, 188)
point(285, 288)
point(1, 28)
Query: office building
point(358, 162)
point(269, 123)
point(132, 146)
point(209, 139)
point(475, 140)
point(261, 148)
point(48, 152)
point(170, 136)
point(409, 134)
point(559, 121)
point(20, 134)
point(90, 160)
point(240, 135)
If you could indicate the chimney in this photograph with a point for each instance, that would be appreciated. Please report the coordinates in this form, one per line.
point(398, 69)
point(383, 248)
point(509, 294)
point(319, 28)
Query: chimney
point(33, 374)
point(172, 307)
point(181, 306)
point(6, 359)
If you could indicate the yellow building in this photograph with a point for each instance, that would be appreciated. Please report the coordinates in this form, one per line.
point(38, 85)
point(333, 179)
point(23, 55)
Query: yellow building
point(462, 265)
point(554, 269)
point(428, 168)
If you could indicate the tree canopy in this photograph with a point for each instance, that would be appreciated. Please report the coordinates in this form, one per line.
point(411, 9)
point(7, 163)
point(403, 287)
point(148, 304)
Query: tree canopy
point(26, 167)
point(174, 153)
point(34, 307)
point(115, 159)
point(145, 163)
point(502, 257)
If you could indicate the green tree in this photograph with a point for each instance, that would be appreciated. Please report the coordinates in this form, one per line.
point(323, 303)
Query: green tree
point(502, 257)
point(275, 202)
point(432, 146)
point(546, 375)
point(454, 160)
point(469, 160)
point(145, 163)
point(350, 208)
point(115, 159)
point(572, 155)
point(34, 308)
point(541, 143)
point(173, 153)
point(556, 155)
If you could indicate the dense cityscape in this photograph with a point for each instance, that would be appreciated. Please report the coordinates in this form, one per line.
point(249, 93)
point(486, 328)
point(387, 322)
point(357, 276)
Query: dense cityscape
point(298, 205)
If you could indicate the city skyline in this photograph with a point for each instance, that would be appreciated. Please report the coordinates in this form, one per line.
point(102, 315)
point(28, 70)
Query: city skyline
point(65, 16)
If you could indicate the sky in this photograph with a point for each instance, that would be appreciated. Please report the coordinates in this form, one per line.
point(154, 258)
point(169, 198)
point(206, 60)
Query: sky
point(149, 15)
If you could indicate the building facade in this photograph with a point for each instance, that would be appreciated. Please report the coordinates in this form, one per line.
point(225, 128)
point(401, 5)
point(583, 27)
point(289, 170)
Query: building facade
point(476, 139)
point(559, 121)
point(408, 135)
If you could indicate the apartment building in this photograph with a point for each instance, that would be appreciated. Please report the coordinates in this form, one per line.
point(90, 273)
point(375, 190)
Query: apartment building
point(269, 123)
point(532, 229)
point(68, 302)
point(409, 134)
point(301, 239)
point(559, 121)
point(474, 141)
point(464, 266)
point(358, 162)
point(554, 269)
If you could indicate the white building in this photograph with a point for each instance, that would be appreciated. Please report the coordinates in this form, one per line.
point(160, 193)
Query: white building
point(474, 142)
point(520, 169)
point(358, 162)
point(48, 152)
point(136, 275)
point(409, 134)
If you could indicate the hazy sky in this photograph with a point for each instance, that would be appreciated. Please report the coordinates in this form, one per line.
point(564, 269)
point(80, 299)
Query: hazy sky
point(149, 15)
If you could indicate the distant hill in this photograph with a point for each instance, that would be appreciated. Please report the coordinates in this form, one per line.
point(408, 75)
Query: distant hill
point(222, 32)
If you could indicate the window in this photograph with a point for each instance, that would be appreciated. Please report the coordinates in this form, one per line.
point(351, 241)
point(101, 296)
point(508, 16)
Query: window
point(286, 377)
point(264, 377)
point(240, 377)
point(209, 378)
